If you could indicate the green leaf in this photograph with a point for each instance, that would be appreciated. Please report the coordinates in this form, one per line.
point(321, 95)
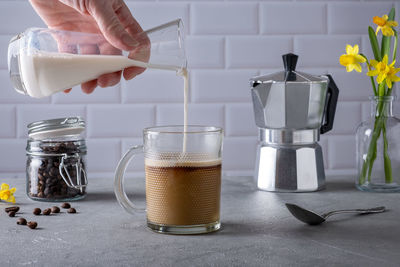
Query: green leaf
point(374, 44)
point(385, 49)
point(391, 14)
point(395, 45)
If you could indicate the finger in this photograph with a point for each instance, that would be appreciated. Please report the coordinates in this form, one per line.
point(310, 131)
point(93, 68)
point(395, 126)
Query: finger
point(65, 47)
point(109, 79)
point(132, 72)
point(127, 20)
point(89, 49)
point(67, 90)
point(78, 43)
point(142, 51)
point(108, 49)
point(88, 87)
point(111, 26)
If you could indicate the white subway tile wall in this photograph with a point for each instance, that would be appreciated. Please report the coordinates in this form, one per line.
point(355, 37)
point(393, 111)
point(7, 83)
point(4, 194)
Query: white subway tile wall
point(228, 42)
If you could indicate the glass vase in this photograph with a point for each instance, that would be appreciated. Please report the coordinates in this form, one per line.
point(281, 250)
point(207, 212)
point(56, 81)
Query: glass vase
point(378, 148)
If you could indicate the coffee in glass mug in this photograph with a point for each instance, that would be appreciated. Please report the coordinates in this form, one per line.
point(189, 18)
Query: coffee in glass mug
point(183, 178)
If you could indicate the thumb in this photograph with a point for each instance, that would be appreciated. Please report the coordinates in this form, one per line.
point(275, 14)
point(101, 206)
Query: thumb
point(111, 27)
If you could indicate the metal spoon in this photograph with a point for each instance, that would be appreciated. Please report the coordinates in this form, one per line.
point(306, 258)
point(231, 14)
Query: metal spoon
point(313, 218)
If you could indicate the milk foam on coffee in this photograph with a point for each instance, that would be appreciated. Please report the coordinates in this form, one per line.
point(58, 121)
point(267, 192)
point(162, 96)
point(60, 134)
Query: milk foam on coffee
point(182, 163)
point(45, 73)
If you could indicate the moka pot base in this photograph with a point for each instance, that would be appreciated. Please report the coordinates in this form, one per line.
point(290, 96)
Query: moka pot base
point(289, 161)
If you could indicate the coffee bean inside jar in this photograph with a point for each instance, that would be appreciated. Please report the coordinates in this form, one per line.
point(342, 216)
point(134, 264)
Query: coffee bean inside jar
point(56, 167)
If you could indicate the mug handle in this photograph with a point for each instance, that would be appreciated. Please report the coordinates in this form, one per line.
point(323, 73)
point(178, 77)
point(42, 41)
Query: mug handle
point(119, 191)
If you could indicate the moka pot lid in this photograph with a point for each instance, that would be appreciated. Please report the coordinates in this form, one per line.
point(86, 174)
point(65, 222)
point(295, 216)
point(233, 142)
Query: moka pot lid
point(289, 75)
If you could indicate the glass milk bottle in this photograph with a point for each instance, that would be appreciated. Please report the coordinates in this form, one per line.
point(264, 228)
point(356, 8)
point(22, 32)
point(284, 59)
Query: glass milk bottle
point(42, 62)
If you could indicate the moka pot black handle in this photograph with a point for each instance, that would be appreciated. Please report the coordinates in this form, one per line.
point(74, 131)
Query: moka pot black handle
point(330, 106)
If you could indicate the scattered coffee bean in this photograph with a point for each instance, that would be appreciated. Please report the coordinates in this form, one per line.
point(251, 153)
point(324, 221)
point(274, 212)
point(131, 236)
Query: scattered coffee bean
point(37, 211)
point(55, 209)
point(32, 225)
point(66, 205)
point(46, 212)
point(71, 210)
point(11, 214)
point(14, 208)
point(21, 221)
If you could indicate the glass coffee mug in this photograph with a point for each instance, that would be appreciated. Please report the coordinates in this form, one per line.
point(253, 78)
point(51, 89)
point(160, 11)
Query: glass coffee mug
point(183, 178)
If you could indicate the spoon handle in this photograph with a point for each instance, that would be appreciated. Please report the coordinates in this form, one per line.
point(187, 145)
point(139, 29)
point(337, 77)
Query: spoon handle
point(360, 211)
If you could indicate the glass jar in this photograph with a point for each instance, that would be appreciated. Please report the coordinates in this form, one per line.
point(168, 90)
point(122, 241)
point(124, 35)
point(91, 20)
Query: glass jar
point(56, 160)
point(378, 148)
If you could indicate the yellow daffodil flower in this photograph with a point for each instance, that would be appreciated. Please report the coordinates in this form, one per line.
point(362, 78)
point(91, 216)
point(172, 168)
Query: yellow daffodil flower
point(385, 25)
point(381, 69)
point(391, 75)
point(352, 59)
point(6, 193)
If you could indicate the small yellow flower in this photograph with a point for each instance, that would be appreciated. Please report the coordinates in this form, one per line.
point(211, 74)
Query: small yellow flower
point(352, 59)
point(385, 25)
point(391, 75)
point(381, 69)
point(384, 71)
point(6, 193)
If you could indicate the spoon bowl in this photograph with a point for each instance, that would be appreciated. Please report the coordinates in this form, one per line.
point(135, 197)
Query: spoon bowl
point(304, 215)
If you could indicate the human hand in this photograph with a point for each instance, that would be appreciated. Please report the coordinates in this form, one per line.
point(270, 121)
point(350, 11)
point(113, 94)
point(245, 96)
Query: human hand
point(111, 18)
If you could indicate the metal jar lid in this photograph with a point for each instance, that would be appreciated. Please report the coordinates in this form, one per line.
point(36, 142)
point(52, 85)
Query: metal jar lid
point(54, 128)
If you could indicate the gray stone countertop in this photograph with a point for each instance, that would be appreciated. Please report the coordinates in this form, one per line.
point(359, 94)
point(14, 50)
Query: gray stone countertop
point(257, 231)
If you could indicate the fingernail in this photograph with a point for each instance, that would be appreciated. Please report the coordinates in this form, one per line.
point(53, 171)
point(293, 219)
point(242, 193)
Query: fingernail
point(128, 40)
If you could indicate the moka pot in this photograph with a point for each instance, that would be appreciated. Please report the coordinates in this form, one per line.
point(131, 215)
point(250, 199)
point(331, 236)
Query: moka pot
point(291, 110)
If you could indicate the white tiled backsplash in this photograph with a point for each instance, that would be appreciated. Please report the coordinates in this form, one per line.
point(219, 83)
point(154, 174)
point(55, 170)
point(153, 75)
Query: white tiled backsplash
point(227, 43)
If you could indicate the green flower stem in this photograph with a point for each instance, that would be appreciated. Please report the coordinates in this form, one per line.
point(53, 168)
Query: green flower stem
point(374, 152)
point(379, 109)
point(385, 45)
point(395, 45)
point(381, 89)
point(386, 158)
point(374, 86)
point(371, 154)
point(371, 77)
